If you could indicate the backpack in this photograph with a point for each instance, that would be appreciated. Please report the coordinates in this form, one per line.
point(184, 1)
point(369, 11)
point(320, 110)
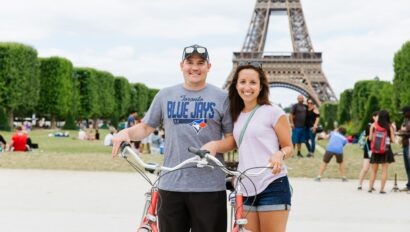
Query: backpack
point(362, 139)
point(378, 143)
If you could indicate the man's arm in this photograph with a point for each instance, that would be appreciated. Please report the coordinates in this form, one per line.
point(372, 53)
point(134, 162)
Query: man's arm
point(135, 133)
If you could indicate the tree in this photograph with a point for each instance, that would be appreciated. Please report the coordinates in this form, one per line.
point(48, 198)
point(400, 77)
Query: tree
point(372, 106)
point(401, 81)
point(328, 115)
point(345, 106)
point(19, 79)
point(106, 94)
point(56, 87)
point(88, 92)
point(3, 121)
point(122, 91)
point(140, 100)
point(151, 94)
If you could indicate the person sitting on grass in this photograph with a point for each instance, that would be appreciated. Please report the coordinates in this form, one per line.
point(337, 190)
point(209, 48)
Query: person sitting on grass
point(337, 141)
point(3, 143)
point(19, 140)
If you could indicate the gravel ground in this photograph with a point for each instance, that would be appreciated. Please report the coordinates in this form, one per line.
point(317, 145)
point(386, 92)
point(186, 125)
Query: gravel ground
point(71, 201)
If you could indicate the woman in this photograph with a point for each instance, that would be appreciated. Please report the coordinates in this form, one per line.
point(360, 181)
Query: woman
point(312, 120)
point(366, 151)
point(266, 139)
point(384, 158)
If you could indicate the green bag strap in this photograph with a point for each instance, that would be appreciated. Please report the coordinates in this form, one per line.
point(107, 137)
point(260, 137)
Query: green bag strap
point(246, 124)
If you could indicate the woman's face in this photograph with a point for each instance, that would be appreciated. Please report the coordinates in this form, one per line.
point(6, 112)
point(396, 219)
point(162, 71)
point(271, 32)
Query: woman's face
point(248, 85)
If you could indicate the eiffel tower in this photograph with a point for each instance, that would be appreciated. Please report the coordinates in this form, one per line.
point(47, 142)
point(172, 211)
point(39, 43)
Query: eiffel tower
point(300, 70)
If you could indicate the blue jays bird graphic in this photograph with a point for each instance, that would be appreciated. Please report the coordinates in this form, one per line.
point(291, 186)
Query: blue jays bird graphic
point(199, 124)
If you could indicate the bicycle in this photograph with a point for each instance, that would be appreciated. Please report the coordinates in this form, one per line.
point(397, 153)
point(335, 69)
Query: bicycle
point(238, 218)
point(149, 215)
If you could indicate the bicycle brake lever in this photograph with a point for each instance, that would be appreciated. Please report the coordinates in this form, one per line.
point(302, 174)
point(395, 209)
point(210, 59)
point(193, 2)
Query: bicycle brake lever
point(203, 163)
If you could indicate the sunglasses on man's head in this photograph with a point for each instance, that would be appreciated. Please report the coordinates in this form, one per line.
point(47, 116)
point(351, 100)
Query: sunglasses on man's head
point(254, 64)
point(188, 51)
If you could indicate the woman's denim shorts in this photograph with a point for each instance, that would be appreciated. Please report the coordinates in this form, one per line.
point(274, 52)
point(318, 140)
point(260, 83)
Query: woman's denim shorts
point(277, 196)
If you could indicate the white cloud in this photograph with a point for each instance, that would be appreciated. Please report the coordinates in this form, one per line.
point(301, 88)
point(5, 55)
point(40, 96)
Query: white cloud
point(142, 40)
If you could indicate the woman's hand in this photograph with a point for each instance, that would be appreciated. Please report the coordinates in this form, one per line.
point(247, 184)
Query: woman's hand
point(211, 147)
point(276, 162)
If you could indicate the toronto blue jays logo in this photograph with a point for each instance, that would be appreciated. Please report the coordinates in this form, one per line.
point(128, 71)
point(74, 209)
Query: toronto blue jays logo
point(198, 125)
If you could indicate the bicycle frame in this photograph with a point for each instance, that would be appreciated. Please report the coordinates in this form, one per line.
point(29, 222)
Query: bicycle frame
point(149, 215)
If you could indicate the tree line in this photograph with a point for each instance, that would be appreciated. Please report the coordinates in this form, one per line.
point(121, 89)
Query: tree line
point(356, 105)
point(53, 88)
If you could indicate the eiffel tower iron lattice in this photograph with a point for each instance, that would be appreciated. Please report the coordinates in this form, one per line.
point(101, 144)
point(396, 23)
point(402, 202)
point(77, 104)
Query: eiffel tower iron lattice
point(300, 70)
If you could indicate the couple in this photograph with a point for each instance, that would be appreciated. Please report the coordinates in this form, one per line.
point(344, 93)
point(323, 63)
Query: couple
point(198, 114)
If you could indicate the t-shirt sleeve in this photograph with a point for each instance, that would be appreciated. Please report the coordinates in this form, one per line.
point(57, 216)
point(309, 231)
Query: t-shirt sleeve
point(153, 117)
point(227, 125)
point(276, 113)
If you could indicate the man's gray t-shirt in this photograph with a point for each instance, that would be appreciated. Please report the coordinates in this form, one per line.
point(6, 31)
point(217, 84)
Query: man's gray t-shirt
point(299, 113)
point(190, 118)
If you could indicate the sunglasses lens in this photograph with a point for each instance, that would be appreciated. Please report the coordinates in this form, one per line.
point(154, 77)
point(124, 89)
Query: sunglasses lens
point(254, 64)
point(189, 50)
point(201, 50)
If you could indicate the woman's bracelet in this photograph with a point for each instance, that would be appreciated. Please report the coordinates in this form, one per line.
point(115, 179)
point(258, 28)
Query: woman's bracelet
point(284, 153)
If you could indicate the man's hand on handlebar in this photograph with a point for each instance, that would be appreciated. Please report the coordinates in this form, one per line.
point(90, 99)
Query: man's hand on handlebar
point(120, 137)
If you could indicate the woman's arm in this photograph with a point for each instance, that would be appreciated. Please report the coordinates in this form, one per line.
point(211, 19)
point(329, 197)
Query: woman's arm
point(220, 146)
point(392, 137)
point(371, 132)
point(283, 130)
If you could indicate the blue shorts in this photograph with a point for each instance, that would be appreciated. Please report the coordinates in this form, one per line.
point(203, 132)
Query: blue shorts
point(277, 196)
point(298, 135)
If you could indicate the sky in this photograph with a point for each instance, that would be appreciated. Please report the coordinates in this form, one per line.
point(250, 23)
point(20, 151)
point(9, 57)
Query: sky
point(142, 40)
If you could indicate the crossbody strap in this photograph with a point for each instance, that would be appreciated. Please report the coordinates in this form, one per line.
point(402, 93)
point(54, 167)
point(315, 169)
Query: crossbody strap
point(246, 124)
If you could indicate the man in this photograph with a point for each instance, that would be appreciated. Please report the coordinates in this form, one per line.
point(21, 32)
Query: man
point(297, 120)
point(19, 140)
point(404, 132)
point(131, 119)
point(192, 114)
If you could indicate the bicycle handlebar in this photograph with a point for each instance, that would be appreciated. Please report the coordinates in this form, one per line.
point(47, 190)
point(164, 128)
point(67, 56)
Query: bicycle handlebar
point(205, 154)
point(126, 148)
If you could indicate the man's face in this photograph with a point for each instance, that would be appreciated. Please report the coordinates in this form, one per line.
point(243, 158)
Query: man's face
point(301, 98)
point(195, 70)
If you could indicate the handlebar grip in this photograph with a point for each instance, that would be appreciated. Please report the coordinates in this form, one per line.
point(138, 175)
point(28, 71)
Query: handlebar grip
point(124, 145)
point(198, 152)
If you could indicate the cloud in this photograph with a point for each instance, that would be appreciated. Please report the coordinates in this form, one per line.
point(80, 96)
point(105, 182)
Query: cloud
point(142, 40)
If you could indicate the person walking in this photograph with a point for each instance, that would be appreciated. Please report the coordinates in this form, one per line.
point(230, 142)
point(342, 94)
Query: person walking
point(384, 156)
point(262, 135)
point(404, 132)
point(192, 114)
point(366, 151)
point(297, 120)
point(312, 121)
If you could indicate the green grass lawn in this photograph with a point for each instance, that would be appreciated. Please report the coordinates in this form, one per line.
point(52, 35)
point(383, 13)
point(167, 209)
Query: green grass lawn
point(73, 154)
